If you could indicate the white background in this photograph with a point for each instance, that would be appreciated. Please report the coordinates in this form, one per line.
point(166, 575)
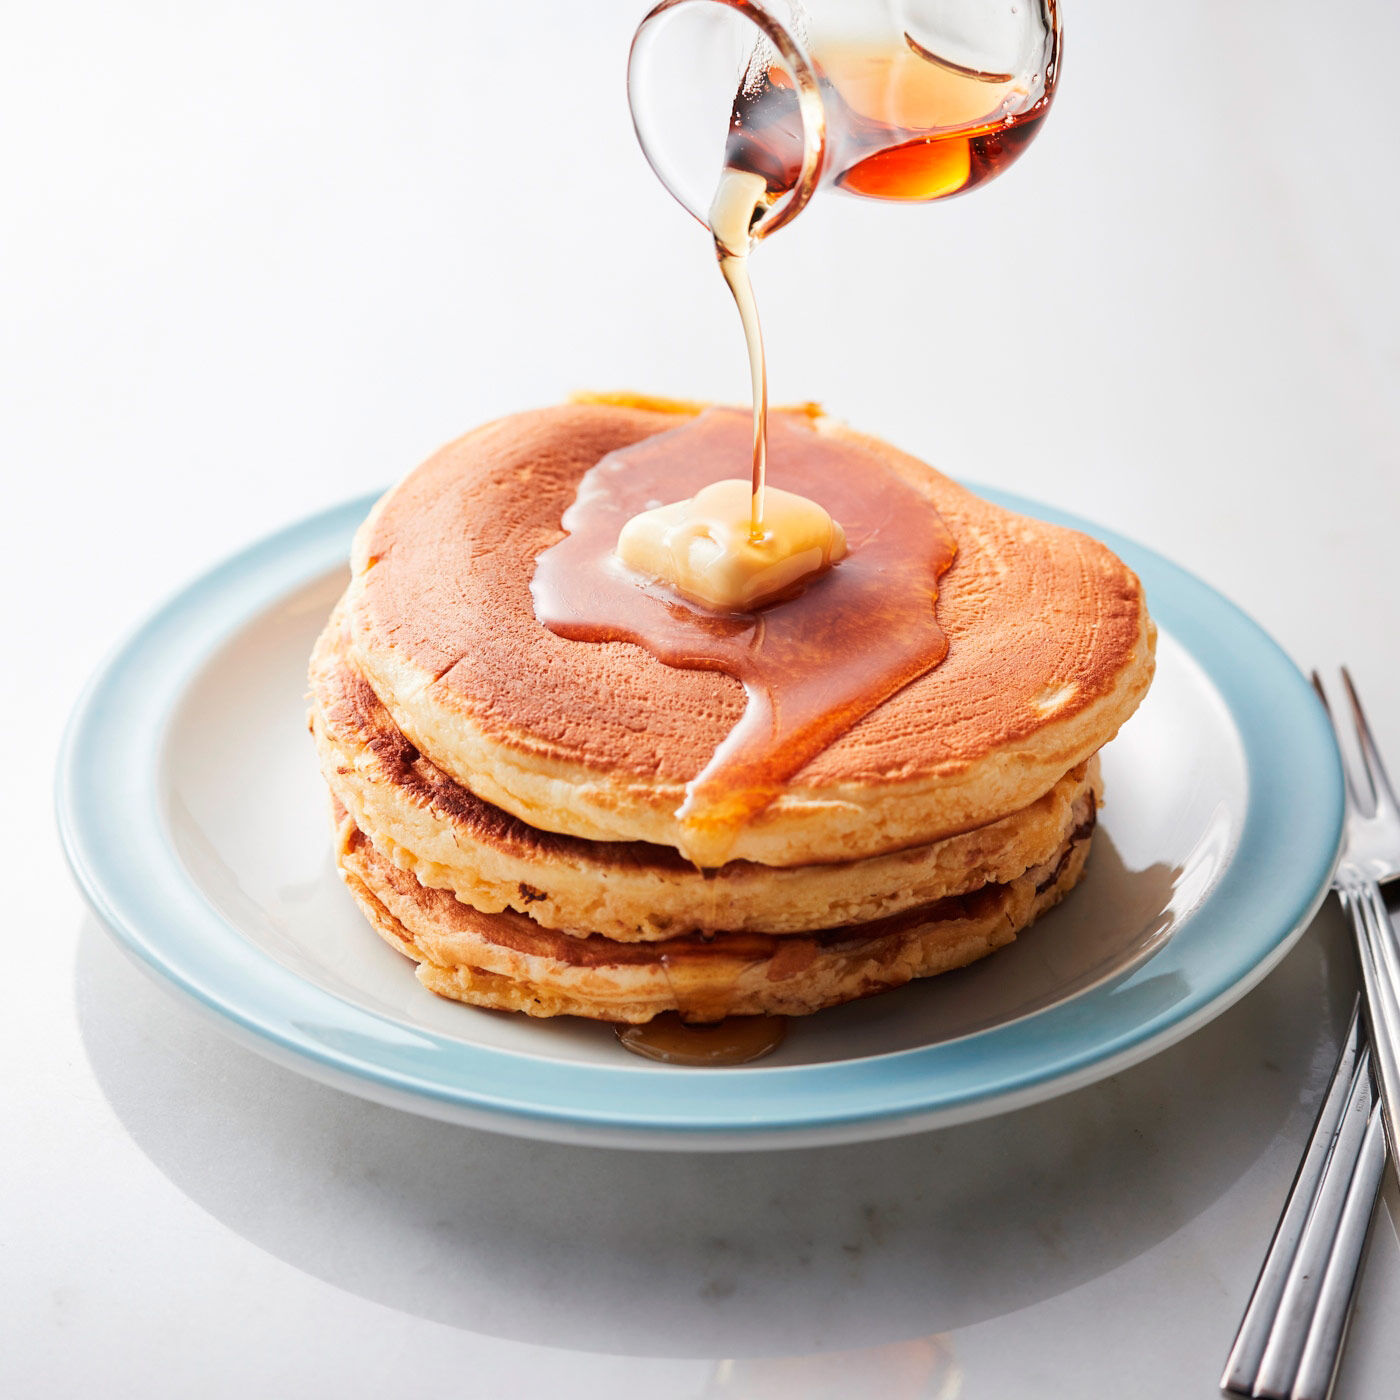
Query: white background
point(257, 258)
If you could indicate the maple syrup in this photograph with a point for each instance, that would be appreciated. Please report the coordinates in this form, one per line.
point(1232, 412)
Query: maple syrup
point(812, 664)
point(737, 1040)
point(905, 124)
point(740, 199)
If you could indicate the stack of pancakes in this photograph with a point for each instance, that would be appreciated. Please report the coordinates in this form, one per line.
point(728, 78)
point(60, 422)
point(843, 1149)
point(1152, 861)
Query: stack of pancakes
point(505, 799)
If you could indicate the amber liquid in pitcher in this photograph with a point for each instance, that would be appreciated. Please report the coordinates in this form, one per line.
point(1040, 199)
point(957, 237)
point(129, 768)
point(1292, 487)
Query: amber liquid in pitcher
point(912, 126)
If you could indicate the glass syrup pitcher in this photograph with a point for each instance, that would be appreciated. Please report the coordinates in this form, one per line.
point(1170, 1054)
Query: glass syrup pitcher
point(911, 100)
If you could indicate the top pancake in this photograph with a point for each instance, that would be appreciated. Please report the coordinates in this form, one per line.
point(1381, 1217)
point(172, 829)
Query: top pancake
point(1050, 650)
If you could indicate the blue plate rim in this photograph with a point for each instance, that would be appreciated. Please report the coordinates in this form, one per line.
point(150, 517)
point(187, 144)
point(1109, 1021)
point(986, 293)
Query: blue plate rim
point(112, 831)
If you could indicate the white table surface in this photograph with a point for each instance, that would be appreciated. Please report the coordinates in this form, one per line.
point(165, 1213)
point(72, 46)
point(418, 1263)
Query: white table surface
point(242, 275)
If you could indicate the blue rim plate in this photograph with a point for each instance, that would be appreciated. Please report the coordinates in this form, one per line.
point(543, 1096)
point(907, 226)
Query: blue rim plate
point(117, 843)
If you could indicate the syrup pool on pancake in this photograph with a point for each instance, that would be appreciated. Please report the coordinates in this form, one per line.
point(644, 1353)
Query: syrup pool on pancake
point(812, 664)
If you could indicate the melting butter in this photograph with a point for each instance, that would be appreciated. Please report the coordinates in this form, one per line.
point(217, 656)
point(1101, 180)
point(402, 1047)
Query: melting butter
point(704, 547)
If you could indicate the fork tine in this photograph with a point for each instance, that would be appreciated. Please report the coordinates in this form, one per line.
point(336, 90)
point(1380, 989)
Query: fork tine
point(1354, 801)
point(1381, 789)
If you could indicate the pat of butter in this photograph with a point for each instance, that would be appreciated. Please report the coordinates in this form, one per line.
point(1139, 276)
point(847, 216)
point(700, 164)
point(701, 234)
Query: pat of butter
point(703, 548)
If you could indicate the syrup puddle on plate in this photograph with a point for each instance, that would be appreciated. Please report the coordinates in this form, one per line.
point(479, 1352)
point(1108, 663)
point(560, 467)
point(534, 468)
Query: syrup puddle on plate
point(737, 1040)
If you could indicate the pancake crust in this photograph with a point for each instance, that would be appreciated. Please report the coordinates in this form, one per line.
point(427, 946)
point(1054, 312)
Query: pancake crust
point(1050, 651)
point(440, 831)
point(509, 962)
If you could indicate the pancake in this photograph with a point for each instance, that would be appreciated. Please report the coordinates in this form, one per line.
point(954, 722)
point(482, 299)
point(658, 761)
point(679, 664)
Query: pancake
point(509, 962)
point(1050, 650)
point(440, 831)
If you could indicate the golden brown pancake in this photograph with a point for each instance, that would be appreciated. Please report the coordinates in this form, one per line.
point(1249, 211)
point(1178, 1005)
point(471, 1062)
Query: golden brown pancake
point(1050, 651)
point(509, 962)
point(434, 827)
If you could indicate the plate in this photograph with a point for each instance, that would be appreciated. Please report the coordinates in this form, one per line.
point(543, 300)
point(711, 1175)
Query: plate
point(194, 819)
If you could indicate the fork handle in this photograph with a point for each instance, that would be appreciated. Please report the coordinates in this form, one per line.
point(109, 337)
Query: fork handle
point(1380, 975)
point(1322, 1352)
point(1242, 1367)
point(1278, 1367)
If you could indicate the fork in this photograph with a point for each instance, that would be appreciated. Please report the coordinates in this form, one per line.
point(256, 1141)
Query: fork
point(1370, 855)
point(1290, 1341)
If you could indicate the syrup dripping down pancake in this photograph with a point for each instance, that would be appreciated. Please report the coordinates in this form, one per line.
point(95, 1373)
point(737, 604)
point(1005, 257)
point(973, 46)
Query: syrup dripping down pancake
point(434, 827)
